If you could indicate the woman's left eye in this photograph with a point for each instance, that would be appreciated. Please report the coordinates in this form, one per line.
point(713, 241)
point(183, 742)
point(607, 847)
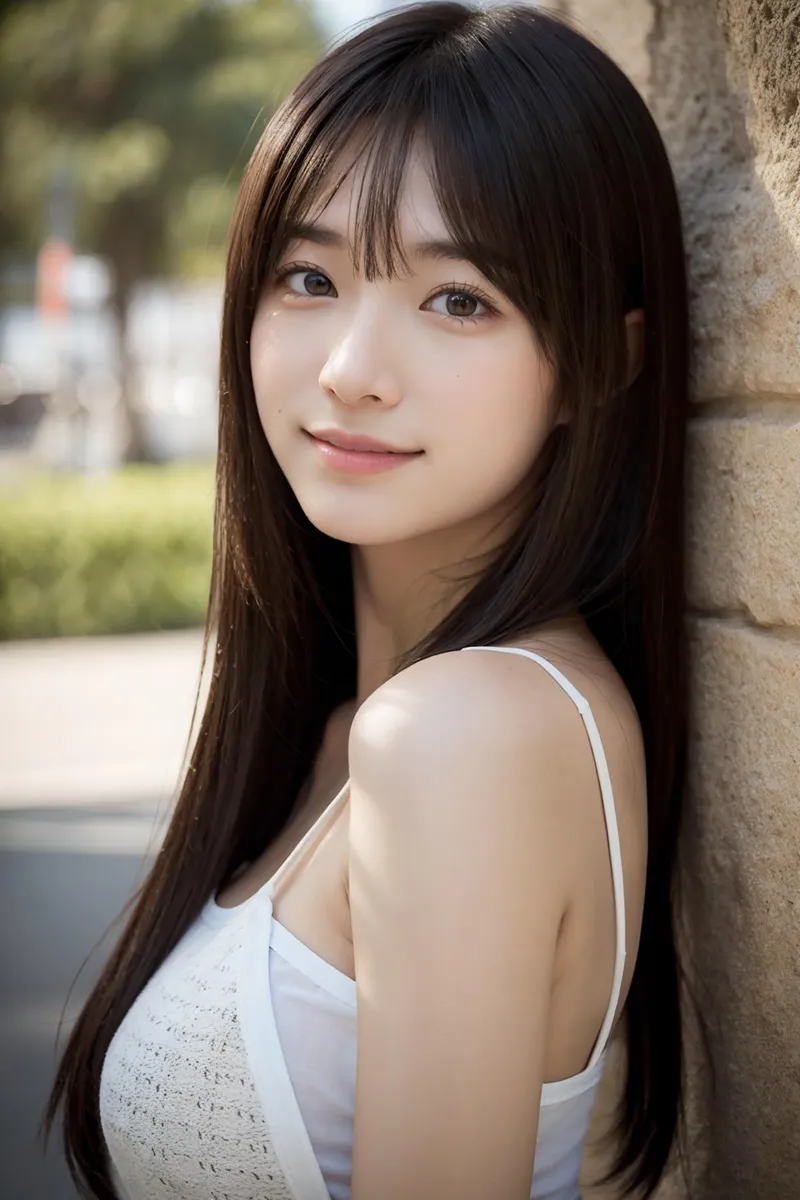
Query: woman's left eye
point(462, 304)
point(307, 281)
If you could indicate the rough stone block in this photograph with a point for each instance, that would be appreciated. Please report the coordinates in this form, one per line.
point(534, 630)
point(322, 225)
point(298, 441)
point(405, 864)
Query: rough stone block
point(722, 81)
point(743, 515)
point(740, 856)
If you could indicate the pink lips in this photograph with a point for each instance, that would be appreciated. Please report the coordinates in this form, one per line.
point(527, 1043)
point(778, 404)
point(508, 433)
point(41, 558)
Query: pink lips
point(358, 455)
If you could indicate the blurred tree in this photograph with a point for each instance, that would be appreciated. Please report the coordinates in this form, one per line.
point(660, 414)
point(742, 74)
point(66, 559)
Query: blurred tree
point(147, 110)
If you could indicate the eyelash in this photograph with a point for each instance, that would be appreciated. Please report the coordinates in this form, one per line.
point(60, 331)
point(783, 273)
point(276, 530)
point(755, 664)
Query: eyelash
point(461, 289)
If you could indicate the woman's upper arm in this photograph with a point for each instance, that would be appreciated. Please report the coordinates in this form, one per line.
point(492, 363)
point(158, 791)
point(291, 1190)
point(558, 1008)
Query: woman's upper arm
point(457, 890)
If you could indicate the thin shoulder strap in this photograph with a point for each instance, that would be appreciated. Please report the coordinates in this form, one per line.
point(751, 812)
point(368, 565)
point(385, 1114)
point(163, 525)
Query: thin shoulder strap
point(612, 830)
point(310, 838)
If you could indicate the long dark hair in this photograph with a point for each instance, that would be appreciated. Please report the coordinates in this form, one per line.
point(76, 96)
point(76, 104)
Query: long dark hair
point(552, 177)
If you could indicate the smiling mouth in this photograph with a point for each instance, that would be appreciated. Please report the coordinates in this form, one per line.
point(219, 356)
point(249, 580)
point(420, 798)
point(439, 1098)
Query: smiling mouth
point(356, 442)
point(359, 460)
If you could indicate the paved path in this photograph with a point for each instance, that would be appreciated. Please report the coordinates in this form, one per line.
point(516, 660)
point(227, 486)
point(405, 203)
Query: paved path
point(92, 735)
point(55, 908)
point(86, 719)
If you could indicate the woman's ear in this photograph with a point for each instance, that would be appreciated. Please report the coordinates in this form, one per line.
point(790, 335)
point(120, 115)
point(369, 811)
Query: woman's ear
point(634, 332)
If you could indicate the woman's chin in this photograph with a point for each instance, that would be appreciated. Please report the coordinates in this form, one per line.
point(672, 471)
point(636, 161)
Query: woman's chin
point(355, 528)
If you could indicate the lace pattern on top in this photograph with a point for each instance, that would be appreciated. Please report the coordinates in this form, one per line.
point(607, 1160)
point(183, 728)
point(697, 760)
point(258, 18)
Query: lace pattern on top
point(179, 1108)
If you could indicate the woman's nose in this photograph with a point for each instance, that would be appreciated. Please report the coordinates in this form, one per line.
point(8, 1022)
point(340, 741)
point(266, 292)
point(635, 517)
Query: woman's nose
point(358, 370)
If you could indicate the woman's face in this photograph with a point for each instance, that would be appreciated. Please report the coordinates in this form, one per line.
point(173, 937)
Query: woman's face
point(436, 362)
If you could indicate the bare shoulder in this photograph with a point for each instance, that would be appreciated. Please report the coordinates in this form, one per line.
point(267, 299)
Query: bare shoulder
point(462, 703)
point(477, 726)
point(456, 760)
point(472, 699)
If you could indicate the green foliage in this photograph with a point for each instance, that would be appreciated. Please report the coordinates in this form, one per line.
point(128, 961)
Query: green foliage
point(132, 102)
point(112, 554)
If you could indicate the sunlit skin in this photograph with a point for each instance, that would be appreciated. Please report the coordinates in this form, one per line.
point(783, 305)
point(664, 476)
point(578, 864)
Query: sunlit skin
point(474, 905)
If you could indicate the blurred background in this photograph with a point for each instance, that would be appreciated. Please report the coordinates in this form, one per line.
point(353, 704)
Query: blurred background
point(124, 129)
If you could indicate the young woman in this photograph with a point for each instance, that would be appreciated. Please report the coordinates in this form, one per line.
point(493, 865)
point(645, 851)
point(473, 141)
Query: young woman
point(409, 891)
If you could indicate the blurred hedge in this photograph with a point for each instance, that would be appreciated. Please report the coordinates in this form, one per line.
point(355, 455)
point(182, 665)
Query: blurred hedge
point(112, 554)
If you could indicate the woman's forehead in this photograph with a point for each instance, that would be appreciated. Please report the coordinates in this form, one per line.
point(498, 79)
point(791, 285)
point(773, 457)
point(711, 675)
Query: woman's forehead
point(417, 217)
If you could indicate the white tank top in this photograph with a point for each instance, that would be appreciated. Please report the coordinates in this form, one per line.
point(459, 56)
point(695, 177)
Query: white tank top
point(232, 1076)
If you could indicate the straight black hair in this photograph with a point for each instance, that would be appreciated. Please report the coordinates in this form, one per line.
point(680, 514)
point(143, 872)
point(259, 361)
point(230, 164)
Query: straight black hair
point(551, 176)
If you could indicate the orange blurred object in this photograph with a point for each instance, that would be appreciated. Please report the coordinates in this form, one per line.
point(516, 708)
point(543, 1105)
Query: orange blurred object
point(51, 273)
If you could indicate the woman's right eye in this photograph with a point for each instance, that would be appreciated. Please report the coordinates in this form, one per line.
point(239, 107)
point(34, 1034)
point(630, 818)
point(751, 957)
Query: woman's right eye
point(306, 281)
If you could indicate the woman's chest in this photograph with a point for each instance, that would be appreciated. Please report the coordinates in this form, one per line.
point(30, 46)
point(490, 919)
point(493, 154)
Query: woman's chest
point(179, 1105)
point(232, 1077)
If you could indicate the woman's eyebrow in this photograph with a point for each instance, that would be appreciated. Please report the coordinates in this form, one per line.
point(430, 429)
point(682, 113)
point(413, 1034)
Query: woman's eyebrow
point(434, 248)
point(321, 235)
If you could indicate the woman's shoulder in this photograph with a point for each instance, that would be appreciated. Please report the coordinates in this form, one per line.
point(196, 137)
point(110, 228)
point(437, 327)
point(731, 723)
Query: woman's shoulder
point(502, 719)
point(456, 697)
point(496, 693)
point(470, 760)
point(481, 705)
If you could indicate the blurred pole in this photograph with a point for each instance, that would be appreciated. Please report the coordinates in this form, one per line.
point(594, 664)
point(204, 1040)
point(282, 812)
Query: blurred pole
point(137, 441)
point(61, 203)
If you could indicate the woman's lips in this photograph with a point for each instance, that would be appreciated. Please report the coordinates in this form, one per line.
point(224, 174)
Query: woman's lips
point(360, 462)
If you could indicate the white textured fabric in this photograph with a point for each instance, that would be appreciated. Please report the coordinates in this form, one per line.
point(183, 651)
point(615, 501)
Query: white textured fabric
point(232, 1076)
point(178, 1105)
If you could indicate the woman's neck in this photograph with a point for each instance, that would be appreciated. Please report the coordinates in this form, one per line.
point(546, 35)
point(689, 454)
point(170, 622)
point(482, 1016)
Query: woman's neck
point(401, 592)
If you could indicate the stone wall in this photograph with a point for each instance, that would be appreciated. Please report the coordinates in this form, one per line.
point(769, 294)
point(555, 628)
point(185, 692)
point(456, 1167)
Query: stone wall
point(723, 82)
